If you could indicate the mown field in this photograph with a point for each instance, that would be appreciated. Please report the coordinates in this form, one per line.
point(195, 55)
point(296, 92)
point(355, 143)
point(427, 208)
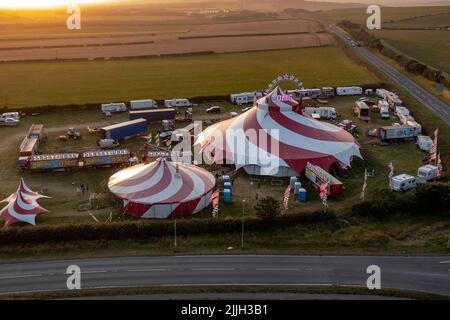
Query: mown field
point(388, 14)
point(431, 47)
point(62, 83)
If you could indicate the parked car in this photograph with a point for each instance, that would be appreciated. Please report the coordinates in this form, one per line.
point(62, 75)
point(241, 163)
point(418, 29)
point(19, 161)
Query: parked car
point(214, 109)
point(108, 143)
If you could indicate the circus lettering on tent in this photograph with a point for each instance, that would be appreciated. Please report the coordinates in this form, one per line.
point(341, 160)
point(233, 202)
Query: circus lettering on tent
point(22, 206)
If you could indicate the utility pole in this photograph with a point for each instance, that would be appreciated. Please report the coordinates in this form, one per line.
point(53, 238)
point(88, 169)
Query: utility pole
point(243, 223)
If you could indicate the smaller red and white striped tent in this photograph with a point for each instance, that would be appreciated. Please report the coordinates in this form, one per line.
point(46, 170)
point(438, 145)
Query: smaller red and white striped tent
point(163, 189)
point(22, 206)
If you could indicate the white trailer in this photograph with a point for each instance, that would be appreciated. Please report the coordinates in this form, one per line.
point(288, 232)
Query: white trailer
point(401, 111)
point(322, 112)
point(173, 103)
point(382, 93)
point(245, 97)
point(349, 91)
point(426, 173)
point(143, 104)
point(424, 143)
point(114, 107)
point(403, 182)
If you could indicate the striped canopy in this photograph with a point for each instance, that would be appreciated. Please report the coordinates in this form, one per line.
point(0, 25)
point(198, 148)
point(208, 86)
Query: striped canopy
point(275, 138)
point(163, 189)
point(22, 206)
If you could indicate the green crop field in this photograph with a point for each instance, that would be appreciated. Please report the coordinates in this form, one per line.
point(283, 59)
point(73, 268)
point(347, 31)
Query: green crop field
point(431, 47)
point(430, 21)
point(388, 14)
point(62, 83)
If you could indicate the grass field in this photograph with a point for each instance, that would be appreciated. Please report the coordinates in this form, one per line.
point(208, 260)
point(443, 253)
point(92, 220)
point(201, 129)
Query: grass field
point(431, 47)
point(388, 14)
point(62, 83)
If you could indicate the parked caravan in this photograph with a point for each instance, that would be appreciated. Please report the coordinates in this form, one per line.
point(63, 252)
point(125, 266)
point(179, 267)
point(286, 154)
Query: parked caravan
point(143, 104)
point(323, 112)
point(427, 173)
point(384, 109)
point(10, 115)
point(349, 91)
point(401, 111)
point(328, 92)
point(245, 97)
point(173, 103)
point(403, 182)
point(114, 107)
point(424, 143)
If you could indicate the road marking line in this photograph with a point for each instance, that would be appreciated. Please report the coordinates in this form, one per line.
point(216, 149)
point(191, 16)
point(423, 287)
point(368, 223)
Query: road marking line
point(92, 272)
point(213, 269)
point(444, 261)
point(277, 269)
point(147, 270)
point(21, 276)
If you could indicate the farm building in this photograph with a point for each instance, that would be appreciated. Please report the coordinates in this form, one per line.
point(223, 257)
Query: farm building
point(274, 138)
point(163, 189)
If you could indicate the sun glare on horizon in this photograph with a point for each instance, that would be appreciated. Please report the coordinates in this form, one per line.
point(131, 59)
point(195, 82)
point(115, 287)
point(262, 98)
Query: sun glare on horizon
point(36, 4)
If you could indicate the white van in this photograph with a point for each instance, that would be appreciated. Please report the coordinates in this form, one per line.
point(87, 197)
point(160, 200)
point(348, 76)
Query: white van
point(384, 109)
point(403, 182)
point(173, 103)
point(10, 115)
point(143, 104)
point(114, 107)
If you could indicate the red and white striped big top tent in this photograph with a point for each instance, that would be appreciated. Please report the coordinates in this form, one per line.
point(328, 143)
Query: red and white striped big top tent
point(163, 189)
point(274, 138)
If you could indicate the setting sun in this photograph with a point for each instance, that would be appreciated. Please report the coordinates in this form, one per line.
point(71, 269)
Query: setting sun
point(30, 4)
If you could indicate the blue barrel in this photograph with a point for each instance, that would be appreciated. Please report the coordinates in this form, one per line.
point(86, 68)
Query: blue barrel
point(227, 196)
point(226, 179)
point(227, 186)
point(297, 187)
point(293, 181)
point(302, 195)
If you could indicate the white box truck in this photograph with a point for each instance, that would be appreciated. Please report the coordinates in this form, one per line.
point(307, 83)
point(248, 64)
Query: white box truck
point(403, 182)
point(349, 91)
point(114, 107)
point(173, 103)
point(143, 104)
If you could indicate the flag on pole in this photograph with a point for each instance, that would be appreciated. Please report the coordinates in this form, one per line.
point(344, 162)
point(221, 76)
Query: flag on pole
point(215, 203)
point(149, 138)
point(434, 147)
point(391, 173)
point(439, 166)
point(324, 194)
point(363, 192)
point(287, 193)
point(157, 140)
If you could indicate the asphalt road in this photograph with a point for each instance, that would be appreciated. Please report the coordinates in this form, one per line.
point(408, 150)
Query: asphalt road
point(428, 274)
point(441, 109)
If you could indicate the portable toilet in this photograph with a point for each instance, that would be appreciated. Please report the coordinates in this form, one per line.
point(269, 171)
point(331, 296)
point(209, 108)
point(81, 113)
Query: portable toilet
point(302, 195)
point(293, 181)
point(297, 187)
point(227, 185)
point(227, 196)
